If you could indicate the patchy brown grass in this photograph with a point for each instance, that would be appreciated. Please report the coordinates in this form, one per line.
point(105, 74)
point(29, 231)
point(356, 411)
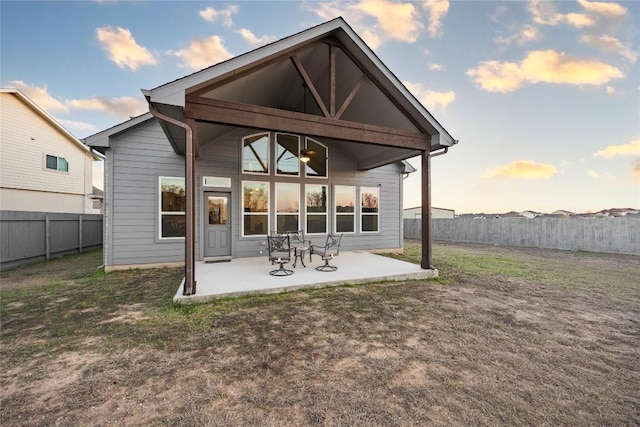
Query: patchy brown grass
point(506, 336)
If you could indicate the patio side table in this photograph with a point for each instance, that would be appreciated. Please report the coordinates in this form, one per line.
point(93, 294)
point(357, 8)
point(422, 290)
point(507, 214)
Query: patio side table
point(298, 253)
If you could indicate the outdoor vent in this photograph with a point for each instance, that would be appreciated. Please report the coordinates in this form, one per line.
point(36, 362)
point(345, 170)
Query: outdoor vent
point(216, 181)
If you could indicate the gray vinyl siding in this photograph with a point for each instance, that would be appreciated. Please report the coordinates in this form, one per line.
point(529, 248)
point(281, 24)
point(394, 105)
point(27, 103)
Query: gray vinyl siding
point(141, 155)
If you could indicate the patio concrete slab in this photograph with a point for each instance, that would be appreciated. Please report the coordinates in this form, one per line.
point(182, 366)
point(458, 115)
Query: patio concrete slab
point(242, 276)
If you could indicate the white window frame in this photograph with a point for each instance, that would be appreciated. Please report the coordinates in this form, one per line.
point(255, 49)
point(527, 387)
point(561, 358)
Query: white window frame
point(243, 213)
point(58, 158)
point(268, 160)
point(326, 159)
point(162, 213)
point(275, 155)
point(335, 208)
point(278, 184)
point(306, 210)
point(363, 214)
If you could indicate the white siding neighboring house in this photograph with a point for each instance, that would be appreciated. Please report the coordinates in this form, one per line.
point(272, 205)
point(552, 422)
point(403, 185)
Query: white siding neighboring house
point(43, 167)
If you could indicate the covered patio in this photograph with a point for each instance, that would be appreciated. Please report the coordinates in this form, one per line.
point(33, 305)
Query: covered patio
point(222, 279)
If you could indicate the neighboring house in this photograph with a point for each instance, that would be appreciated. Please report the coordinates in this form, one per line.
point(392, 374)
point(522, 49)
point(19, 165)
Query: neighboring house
point(416, 213)
point(43, 167)
point(97, 199)
point(309, 132)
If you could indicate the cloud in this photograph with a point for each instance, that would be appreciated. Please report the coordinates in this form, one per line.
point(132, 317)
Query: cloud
point(612, 91)
point(122, 48)
point(429, 98)
point(596, 175)
point(123, 107)
point(251, 38)
point(40, 95)
point(435, 67)
point(608, 43)
point(437, 10)
point(212, 15)
point(520, 36)
point(544, 12)
point(542, 67)
point(203, 53)
point(630, 149)
point(612, 10)
point(377, 21)
point(524, 169)
point(78, 126)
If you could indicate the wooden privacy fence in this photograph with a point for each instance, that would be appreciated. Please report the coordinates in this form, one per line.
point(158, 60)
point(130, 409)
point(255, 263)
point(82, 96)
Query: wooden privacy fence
point(613, 235)
point(31, 236)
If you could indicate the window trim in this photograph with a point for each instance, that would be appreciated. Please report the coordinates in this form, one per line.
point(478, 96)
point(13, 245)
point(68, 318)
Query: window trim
point(170, 213)
point(243, 213)
point(335, 209)
point(326, 160)
point(58, 158)
point(326, 213)
point(275, 155)
point(268, 160)
point(363, 214)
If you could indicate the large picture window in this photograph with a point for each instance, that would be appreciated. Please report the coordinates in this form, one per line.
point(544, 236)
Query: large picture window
point(316, 208)
point(172, 207)
point(287, 148)
point(255, 154)
point(287, 207)
point(345, 202)
point(317, 164)
point(369, 209)
point(255, 208)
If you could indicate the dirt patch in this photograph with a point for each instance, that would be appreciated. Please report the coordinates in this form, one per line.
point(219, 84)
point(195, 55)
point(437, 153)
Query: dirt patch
point(505, 337)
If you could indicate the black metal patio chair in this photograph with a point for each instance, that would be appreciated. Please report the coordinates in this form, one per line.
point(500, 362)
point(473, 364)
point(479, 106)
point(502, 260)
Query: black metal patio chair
point(327, 252)
point(280, 253)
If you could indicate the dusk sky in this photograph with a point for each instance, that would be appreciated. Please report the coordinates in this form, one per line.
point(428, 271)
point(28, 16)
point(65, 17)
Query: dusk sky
point(544, 96)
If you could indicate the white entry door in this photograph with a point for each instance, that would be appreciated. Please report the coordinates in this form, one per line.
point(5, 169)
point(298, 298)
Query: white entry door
point(217, 236)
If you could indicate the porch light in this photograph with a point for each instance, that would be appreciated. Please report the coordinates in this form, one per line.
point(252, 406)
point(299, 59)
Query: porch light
point(304, 158)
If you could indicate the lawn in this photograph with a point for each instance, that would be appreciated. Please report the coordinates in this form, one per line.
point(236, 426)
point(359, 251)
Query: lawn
point(505, 336)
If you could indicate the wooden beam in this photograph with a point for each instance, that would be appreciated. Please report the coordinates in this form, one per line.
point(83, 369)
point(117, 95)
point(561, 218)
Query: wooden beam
point(353, 93)
point(309, 83)
point(258, 117)
point(427, 257)
point(332, 81)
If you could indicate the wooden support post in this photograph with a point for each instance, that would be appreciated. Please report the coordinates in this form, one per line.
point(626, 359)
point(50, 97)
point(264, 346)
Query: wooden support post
point(47, 237)
point(427, 257)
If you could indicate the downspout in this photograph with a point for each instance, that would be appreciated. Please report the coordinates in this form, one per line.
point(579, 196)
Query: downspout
point(189, 250)
point(427, 250)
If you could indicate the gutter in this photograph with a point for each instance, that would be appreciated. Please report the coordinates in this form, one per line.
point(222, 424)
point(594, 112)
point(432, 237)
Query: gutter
point(189, 239)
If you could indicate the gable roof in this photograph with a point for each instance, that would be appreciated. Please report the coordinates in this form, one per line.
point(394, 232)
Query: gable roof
point(100, 140)
point(48, 118)
point(174, 93)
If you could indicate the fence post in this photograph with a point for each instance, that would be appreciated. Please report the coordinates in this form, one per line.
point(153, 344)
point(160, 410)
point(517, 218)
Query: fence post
point(80, 233)
point(47, 236)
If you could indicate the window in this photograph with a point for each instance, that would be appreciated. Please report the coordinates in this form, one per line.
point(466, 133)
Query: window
point(287, 207)
point(316, 205)
point(172, 207)
point(255, 154)
point(287, 148)
point(317, 164)
point(345, 201)
point(56, 163)
point(255, 208)
point(369, 211)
